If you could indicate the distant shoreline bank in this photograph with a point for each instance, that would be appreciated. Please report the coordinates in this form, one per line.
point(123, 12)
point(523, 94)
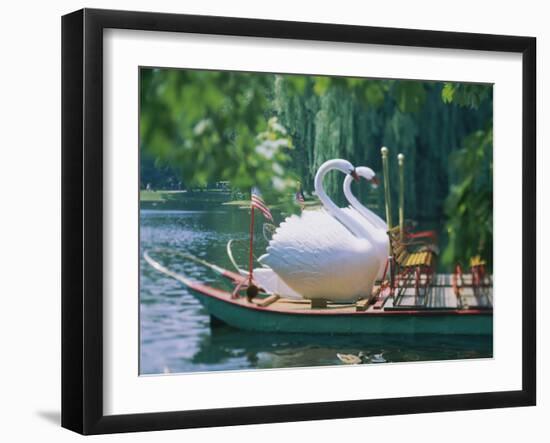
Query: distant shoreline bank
point(173, 199)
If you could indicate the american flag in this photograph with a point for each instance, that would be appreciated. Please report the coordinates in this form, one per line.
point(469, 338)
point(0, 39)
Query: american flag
point(300, 199)
point(258, 202)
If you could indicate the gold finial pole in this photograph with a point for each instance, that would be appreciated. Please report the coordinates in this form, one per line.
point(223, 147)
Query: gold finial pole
point(401, 162)
point(387, 194)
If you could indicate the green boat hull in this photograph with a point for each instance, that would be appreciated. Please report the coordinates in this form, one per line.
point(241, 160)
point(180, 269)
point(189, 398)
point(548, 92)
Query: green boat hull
point(240, 314)
point(420, 322)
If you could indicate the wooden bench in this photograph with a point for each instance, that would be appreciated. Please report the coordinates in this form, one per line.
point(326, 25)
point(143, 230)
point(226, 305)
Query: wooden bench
point(413, 267)
point(410, 254)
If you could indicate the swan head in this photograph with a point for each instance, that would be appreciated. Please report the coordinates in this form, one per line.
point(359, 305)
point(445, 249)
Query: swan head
point(368, 174)
point(339, 164)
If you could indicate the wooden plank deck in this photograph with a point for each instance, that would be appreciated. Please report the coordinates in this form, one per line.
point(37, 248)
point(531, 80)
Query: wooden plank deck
point(483, 299)
point(442, 280)
point(439, 296)
point(442, 297)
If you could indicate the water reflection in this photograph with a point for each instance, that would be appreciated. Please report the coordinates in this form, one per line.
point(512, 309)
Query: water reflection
point(259, 350)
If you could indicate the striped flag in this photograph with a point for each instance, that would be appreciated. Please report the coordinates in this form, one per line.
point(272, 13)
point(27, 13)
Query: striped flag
point(258, 202)
point(300, 199)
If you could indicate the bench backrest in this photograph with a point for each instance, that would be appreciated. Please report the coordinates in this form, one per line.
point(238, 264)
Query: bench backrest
point(398, 247)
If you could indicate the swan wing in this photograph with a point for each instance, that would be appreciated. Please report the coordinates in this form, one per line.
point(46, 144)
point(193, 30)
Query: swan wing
point(368, 217)
point(318, 257)
point(379, 236)
point(272, 284)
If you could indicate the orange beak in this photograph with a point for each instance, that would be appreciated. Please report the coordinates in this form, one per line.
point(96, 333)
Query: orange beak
point(355, 176)
point(375, 181)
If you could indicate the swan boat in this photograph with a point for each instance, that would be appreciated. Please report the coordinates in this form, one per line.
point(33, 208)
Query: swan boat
point(447, 308)
point(325, 254)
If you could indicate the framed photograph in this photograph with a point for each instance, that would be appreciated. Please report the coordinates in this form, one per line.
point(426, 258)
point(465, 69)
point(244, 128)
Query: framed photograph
point(269, 221)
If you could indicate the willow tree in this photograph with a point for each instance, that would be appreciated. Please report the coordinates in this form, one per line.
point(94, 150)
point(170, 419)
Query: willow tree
point(426, 121)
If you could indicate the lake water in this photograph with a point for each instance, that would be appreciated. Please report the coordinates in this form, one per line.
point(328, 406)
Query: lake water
point(175, 331)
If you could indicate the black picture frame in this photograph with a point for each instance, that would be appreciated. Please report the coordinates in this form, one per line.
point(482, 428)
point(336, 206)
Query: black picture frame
point(82, 218)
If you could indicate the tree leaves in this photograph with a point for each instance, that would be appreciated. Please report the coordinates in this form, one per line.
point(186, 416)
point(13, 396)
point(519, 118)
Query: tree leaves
point(469, 206)
point(214, 126)
point(448, 92)
point(410, 95)
point(266, 130)
point(465, 94)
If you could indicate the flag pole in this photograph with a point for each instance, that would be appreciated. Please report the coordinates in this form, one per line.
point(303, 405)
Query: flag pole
point(250, 256)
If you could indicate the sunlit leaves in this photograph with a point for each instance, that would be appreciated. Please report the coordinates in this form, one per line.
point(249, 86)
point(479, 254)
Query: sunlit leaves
point(465, 94)
point(448, 92)
point(214, 126)
point(321, 85)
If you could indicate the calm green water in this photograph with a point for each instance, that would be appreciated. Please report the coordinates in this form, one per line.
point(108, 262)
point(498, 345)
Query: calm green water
point(175, 332)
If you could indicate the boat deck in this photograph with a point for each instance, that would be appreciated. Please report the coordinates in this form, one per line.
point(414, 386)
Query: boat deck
point(440, 296)
point(442, 310)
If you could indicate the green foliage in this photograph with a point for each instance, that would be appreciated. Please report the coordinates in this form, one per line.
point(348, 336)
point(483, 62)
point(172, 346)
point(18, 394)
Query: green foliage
point(410, 95)
point(343, 123)
point(271, 131)
point(215, 126)
point(465, 94)
point(469, 206)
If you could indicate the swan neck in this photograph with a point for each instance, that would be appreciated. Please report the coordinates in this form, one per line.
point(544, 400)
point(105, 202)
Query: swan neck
point(333, 209)
point(357, 205)
point(328, 204)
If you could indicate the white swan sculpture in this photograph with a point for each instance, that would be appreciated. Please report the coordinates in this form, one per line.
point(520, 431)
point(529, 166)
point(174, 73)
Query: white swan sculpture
point(371, 221)
point(323, 254)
